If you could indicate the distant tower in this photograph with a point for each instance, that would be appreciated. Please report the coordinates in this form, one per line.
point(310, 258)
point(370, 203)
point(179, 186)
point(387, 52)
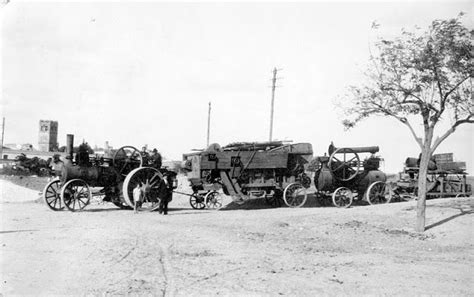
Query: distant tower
point(48, 136)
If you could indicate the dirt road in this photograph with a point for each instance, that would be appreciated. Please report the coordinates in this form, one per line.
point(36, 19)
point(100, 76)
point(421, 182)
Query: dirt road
point(306, 251)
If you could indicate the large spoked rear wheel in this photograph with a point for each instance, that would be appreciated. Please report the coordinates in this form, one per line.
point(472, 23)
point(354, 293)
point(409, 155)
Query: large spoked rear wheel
point(214, 200)
point(295, 195)
point(126, 159)
point(52, 195)
point(197, 201)
point(76, 194)
point(342, 197)
point(143, 184)
point(378, 193)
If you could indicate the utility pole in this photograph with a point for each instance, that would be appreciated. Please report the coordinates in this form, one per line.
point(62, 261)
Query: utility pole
point(208, 124)
point(3, 133)
point(274, 79)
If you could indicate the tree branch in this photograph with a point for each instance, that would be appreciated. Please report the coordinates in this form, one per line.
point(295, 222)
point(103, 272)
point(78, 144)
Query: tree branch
point(418, 140)
point(454, 88)
point(440, 89)
point(439, 140)
point(403, 120)
point(443, 101)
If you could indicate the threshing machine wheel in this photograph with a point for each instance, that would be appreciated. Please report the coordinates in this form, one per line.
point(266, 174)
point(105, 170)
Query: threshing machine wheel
point(347, 168)
point(197, 201)
point(52, 195)
point(214, 200)
point(342, 197)
point(76, 194)
point(126, 159)
point(378, 192)
point(295, 195)
point(144, 181)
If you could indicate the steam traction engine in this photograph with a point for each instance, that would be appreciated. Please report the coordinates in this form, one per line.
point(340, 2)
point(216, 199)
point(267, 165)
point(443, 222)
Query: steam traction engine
point(343, 177)
point(115, 178)
point(270, 170)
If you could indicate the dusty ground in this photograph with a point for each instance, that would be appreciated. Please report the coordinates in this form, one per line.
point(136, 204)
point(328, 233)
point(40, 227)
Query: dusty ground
point(306, 251)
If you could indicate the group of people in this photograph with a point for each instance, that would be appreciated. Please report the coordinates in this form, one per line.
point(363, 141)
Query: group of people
point(154, 159)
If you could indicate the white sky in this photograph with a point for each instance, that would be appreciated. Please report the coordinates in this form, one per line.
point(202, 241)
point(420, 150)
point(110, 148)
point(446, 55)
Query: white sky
point(143, 73)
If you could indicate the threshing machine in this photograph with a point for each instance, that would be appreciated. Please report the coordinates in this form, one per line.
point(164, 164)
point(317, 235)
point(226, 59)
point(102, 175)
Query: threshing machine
point(245, 170)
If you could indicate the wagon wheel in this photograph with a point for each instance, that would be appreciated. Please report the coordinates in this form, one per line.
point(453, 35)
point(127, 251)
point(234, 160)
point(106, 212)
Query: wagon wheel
point(347, 168)
point(378, 193)
point(342, 197)
point(144, 182)
point(214, 200)
point(75, 194)
point(275, 199)
point(126, 159)
point(52, 195)
point(197, 201)
point(295, 195)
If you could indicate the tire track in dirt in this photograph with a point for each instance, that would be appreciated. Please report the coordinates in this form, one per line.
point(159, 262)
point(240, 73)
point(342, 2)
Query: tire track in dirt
point(130, 251)
point(140, 269)
point(163, 270)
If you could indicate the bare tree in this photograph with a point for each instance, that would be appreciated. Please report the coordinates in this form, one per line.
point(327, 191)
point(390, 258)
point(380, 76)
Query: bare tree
point(420, 73)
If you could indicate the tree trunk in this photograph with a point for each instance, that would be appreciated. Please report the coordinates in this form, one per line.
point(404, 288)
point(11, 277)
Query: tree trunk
point(420, 210)
point(422, 184)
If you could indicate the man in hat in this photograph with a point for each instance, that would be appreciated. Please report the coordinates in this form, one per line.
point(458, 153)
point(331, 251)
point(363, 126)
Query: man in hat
point(145, 156)
point(155, 159)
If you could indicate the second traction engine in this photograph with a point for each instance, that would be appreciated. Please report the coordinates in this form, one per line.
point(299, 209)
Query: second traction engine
point(346, 176)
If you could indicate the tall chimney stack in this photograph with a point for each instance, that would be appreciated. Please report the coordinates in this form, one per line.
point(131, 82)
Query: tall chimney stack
point(69, 146)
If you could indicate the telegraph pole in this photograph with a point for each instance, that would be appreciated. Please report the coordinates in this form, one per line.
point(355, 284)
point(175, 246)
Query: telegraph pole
point(3, 133)
point(273, 101)
point(208, 124)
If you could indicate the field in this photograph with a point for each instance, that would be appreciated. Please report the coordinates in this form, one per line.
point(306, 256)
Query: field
point(248, 250)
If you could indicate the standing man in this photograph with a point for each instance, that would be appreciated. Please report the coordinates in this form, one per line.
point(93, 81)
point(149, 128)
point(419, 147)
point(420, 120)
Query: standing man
point(166, 190)
point(155, 159)
point(145, 155)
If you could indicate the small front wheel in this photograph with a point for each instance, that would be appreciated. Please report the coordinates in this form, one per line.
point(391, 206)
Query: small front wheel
point(76, 194)
point(295, 195)
point(52, 195)
point(342, 197)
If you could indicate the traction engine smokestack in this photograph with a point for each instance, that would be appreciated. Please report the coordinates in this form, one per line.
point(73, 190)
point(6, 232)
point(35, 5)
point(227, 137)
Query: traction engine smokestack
point(69, 146)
